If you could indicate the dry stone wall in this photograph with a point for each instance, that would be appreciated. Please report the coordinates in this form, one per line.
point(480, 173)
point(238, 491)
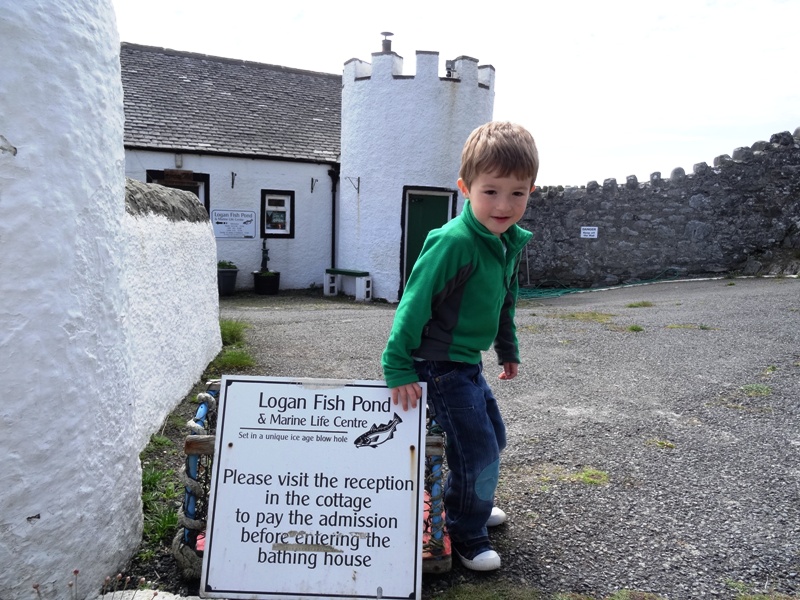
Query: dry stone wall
point(741, 215)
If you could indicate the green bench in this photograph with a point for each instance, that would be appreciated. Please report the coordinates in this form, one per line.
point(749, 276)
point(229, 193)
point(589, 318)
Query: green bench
point(333, 283)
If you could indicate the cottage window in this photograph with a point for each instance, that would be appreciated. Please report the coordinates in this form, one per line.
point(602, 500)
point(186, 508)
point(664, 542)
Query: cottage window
point(277, 213)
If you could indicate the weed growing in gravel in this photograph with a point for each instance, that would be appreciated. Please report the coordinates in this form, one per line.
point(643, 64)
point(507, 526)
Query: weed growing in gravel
point(770, 596)
point(634, 595)
point(756, 389)
point(635, 328)
point(160, 441)
point(232, 331)
point(596, 317)
point(229, 360)
point(640, 304)
point(701, 327)
point(490, 591)
point(663, 444)
point(160, 499)
point(769, 370)
point(738, 586)
point(590, 476)
point(233, 356)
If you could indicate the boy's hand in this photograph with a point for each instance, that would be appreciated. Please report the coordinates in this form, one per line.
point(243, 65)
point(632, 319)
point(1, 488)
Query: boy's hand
point(407, 394)
point(510, 370)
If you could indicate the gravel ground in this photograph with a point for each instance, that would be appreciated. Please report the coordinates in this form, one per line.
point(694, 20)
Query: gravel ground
point(703, 475)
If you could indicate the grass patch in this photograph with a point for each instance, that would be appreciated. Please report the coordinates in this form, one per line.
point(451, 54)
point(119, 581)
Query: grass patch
point(235, 359)
point(640, 304)
point(663, 444)
point(634, 595)
point(161, 496)
point(160, 441)
point(596, 317)
point(770, 596)
point(233, 356)
point(635, 328)
point(701, 327)
point(753, 390)
point(590, 476)
point(160, 526)
point(232, 331)
point(490, 590)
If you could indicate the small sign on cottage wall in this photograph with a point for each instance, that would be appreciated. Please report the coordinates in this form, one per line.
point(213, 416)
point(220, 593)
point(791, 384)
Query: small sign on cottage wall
point(316, 490)
point(588, 232)
point(234, 223)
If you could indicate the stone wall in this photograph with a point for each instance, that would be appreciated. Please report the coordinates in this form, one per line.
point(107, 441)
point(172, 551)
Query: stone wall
point(740, 216)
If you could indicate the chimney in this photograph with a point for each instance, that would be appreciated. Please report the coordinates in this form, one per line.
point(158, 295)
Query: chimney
point(386, 44)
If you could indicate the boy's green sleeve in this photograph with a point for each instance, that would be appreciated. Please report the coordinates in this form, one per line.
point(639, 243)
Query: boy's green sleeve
point(505, 344)
point(437, 263)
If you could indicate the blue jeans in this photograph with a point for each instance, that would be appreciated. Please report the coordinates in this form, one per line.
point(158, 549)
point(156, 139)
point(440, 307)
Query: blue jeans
point(467, 411)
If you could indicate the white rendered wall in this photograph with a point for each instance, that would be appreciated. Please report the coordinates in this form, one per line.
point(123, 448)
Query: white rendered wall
point(70, 480)
point(173, 319)
point(302, 260)
point(106, 318)
point(396, 132)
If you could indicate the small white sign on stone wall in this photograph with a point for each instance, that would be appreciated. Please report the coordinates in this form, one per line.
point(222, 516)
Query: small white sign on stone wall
point(234, 223)
point(316, 491)
point(588, 232)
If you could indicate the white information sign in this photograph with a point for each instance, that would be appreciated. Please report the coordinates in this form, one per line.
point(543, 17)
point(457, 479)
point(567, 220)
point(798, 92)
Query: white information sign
point(588, 232)
point(234, 223)
point(316, 492)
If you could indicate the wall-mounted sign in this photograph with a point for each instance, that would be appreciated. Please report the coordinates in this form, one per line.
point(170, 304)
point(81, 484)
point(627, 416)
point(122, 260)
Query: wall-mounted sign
point(234, 223)
point(316, 491)
point(588, 232)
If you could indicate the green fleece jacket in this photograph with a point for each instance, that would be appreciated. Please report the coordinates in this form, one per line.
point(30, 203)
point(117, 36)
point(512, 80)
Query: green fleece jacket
point(459, 299)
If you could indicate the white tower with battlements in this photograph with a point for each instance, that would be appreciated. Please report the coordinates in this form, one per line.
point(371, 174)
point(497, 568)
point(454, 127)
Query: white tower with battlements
point(402, 137)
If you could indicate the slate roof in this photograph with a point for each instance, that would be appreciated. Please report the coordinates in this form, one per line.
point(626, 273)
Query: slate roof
point(182, 101)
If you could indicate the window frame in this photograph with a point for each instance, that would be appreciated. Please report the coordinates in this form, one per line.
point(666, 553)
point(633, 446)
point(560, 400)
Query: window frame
point(289, 210)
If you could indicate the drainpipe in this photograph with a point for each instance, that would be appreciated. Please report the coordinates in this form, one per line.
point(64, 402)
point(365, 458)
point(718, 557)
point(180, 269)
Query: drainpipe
point(333, 172)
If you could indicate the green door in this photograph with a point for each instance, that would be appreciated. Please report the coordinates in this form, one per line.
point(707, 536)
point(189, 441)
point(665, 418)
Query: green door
point(424, 212)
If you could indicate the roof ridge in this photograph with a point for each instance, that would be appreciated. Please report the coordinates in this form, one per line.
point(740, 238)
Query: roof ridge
point(223, 59)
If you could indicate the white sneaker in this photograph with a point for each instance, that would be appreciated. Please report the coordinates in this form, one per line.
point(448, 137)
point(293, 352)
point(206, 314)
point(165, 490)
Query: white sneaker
point(488, 560)
point(498, 517)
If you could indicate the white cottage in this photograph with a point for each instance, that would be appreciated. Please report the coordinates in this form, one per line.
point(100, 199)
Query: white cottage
point(346, 172)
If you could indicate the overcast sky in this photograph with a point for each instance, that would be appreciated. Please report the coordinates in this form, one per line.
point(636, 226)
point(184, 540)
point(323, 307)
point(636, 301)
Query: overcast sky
point(608, 88)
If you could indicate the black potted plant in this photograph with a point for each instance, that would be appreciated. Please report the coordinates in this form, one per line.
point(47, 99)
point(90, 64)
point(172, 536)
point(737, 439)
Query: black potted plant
point(226, 277)
point(266, 281)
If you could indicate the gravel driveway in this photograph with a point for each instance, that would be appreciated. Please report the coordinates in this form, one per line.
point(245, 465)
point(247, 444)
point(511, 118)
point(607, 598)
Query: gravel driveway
point(665, 459)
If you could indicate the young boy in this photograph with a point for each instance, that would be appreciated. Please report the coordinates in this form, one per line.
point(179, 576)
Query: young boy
point(459, 300)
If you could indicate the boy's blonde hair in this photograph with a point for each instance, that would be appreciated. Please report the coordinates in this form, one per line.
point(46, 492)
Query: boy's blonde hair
point(502, 149)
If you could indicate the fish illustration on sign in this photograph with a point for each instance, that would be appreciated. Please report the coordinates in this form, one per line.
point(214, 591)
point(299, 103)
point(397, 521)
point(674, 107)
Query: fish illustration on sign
point(378, 434)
